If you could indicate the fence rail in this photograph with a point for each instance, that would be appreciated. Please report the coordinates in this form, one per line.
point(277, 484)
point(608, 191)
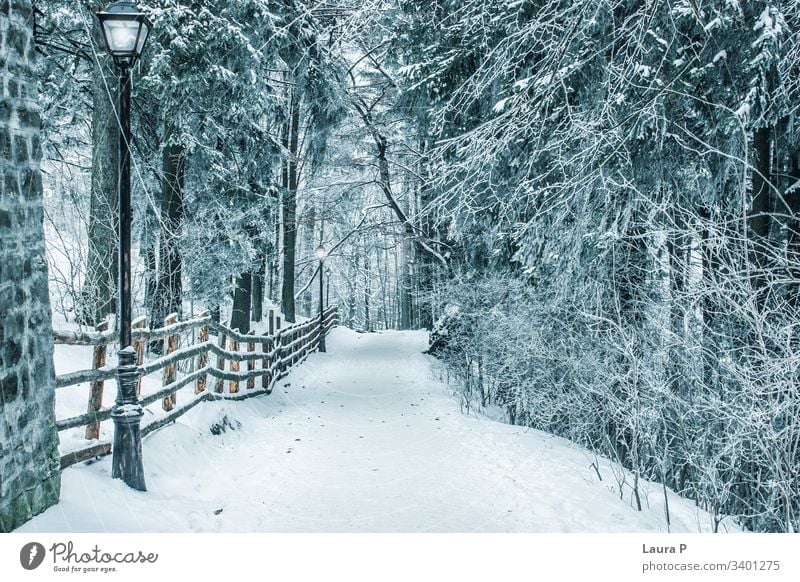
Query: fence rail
point(268, 357)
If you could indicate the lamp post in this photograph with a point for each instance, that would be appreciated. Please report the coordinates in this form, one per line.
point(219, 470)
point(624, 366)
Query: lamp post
point(125, 30)
point(322, 254)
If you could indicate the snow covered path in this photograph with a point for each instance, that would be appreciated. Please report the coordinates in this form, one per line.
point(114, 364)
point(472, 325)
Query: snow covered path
point(361, 439)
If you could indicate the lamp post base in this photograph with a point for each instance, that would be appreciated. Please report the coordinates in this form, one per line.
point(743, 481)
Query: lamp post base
point(127, 415)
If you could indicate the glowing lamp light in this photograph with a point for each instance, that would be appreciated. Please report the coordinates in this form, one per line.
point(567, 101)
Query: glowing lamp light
point(125, 30)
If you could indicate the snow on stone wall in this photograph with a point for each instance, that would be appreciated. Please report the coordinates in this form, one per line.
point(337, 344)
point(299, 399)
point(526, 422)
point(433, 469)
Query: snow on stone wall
point(29, 463)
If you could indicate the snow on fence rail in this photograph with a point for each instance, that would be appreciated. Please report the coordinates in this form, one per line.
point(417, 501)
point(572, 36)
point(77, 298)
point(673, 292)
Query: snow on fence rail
point(276, 353)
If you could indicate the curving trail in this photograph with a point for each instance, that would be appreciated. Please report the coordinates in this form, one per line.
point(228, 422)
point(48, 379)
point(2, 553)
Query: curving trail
point(361, 439)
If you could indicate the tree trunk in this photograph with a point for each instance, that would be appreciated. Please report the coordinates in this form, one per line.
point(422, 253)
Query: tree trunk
point(215, 312)
point(424, 267)
point(291, 142)
point(258, 273)
point(240, 316)
point(367, 292)
point(785, 176)
point(100, 285)
point(792, 197)
point(759, 218)
point(170, 290)
point(257, 279)
point(351, 295)
point(309, 244)
point(150, 278)
point(275, 260)
point(385, 295)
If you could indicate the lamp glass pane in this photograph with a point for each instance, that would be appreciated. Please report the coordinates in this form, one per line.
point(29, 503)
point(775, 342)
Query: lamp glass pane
point(142, 39)
point(121, 36)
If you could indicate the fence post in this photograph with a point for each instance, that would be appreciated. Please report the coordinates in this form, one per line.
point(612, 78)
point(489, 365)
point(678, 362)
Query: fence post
point(96, 390)
point(300, 345)
point(170, 371)
point(251, 364)
point(271, 320)
point(138, 345)
point(234, 386)
point(287, 353)
point(219, 386)
point(202, 361)
point(266, 363)
point(278, 346)
point(278, 354)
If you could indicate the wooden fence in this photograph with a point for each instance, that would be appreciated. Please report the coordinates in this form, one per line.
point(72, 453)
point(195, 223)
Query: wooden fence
point(187, 347)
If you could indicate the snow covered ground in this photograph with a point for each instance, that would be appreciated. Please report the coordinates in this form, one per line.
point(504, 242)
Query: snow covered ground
point(361, 439)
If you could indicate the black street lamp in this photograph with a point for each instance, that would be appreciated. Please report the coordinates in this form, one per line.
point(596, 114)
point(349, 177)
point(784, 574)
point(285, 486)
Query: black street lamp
point(125, 30)
point(322, 254)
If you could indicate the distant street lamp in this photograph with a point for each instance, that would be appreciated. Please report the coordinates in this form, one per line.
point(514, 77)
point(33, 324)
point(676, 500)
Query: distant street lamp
point(322, 254)
point(125, 30)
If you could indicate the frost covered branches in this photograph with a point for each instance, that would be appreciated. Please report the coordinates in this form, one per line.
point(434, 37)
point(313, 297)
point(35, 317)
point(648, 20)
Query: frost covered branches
point(628, 170)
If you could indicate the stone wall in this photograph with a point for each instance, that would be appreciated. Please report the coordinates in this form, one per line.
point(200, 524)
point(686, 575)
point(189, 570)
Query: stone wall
point(29, 462)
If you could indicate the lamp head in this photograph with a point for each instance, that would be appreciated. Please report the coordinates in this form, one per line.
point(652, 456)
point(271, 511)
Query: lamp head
point(125, 30)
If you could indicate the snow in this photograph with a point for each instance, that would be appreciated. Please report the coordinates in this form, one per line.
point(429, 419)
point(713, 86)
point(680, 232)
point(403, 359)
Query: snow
point(772, 27)
point(363, 438)
point(128, 410)
point(643, 70)
point(500, 105)
point(716, 22)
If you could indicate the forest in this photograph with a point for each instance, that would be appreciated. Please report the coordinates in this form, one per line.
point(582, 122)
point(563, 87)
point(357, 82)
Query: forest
point(594, 205)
